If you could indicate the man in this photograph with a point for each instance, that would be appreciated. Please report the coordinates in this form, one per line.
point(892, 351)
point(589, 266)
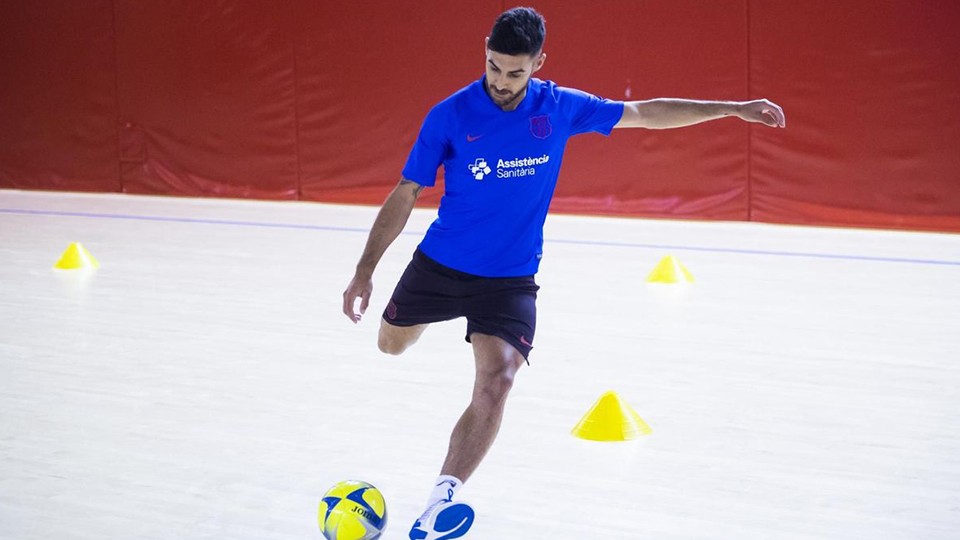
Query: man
point(500, 140)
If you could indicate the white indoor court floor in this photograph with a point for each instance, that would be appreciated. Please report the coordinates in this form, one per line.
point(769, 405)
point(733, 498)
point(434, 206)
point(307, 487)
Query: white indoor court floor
point(204, 384)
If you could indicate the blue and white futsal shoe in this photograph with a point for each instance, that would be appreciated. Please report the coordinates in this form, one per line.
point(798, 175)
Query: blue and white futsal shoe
point(442, 521)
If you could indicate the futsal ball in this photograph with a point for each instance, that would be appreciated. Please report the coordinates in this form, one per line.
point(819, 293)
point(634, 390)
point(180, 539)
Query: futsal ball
point(352, 510)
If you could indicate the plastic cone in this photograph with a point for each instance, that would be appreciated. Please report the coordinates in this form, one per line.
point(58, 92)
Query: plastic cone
point(76, 257)
point(611, 419)
point(669, 270)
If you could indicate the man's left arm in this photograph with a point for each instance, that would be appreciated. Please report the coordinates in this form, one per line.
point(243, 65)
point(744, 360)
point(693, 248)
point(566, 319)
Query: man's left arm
point(666, 113)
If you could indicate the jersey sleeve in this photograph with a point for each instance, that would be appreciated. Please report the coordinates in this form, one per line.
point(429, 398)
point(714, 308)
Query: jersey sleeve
point(588, 112)
point(430, 149)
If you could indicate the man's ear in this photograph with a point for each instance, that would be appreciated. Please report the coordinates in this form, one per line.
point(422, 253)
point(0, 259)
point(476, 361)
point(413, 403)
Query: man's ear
point(539, 62)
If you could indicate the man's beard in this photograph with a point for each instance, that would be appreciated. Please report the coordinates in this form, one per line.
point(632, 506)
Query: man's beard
point(507, 100)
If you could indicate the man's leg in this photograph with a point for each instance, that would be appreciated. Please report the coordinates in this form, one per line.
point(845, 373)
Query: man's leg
point(497, 363)
point(396, 339)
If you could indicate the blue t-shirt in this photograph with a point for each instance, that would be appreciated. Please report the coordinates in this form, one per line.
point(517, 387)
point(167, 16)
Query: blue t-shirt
point(500, 170)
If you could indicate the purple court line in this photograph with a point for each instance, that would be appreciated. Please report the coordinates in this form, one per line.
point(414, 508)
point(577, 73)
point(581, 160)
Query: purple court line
point(669, 247)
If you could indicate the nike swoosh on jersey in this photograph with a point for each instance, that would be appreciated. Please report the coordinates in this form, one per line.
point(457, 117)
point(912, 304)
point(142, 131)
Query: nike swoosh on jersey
point(471, 138)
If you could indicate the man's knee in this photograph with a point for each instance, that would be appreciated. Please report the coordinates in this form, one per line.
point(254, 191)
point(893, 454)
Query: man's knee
point(496, 380)
point(395, 340)
point(390, 344)
point(497, 385)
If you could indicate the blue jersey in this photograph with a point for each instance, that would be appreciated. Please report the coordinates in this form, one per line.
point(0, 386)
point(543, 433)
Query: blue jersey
point(500, 170)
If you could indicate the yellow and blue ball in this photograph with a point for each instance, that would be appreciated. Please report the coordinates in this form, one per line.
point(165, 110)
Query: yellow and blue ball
point(352, 510)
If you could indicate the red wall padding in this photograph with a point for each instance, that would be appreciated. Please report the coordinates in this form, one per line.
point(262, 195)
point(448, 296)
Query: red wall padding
point(873, 94)
point(58, 96)
point(368, 76)
point(676, 48)
point(207, 98)
point(320, 100)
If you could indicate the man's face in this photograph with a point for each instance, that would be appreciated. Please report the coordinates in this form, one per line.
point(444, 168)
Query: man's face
point(507, 77)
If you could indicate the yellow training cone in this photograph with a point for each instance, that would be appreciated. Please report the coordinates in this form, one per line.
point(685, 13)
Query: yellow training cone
point(611, 419)
point(76, 257)
point(669, 270)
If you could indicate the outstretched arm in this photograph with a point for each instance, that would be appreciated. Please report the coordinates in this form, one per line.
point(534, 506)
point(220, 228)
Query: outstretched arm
point(666, 113)
point(390, 221)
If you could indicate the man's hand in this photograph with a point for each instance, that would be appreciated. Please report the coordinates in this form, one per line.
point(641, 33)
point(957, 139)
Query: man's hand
point(764, 112)
point(360, 287)
point(390, 220)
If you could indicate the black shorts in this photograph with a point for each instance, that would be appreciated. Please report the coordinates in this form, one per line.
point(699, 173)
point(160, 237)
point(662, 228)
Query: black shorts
point(430, 292)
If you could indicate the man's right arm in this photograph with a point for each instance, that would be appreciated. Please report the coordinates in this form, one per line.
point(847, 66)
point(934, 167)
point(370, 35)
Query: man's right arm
point(390, 221)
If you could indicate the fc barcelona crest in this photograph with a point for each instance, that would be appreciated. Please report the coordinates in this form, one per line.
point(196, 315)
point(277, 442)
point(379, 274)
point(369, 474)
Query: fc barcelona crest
point(540, 126)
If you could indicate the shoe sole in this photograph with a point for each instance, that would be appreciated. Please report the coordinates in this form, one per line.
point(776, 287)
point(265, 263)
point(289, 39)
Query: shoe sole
point(451, 522)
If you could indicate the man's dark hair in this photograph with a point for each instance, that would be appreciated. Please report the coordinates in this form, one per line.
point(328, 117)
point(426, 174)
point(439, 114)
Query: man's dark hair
point(517, 31)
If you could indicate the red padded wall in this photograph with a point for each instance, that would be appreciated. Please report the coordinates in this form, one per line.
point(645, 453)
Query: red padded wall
point(58, 96)
point(872, 91)
point(642, 50)
point(321, 100)
point(368, 76)
point(207, 98)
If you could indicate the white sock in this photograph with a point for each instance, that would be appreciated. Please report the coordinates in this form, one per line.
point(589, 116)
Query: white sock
point(444, 488)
